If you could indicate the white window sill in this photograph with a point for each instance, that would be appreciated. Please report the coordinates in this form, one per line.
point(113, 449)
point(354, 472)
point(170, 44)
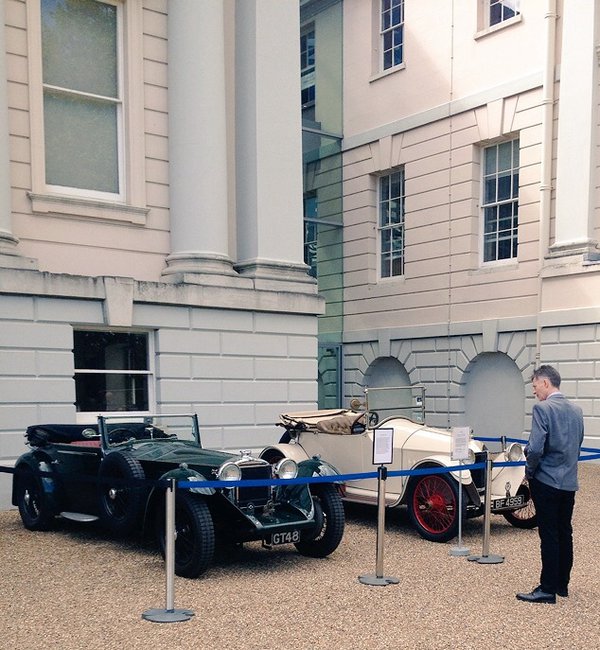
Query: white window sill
point(388, 72)
point(492, 267)
point(495, 28)
point(69, 206)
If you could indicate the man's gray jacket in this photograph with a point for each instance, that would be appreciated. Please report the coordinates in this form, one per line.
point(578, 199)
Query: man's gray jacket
point(555, 442)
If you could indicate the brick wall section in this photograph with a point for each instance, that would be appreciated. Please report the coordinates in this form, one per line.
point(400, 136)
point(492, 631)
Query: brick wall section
point(441, 364)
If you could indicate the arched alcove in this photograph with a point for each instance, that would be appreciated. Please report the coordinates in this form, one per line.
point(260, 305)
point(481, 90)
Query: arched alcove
point(494, 396)
point(388, 372)
point(385, 372)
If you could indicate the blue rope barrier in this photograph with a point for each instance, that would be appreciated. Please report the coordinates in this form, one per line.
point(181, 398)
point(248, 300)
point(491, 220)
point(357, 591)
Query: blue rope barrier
point(591, 454)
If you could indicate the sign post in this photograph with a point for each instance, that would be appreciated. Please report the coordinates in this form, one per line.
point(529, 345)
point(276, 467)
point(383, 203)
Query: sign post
point(383, 454)
point(461, 437)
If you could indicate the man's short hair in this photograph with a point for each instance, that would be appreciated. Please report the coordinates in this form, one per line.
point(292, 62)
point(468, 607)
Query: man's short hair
point(548, 372)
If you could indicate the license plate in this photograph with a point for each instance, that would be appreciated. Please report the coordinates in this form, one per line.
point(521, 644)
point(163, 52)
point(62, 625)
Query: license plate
point(508, 503)
point(289, 537)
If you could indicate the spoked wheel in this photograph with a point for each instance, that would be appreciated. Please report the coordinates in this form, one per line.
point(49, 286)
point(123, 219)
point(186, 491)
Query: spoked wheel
point(525, 517)
point(34, 508)
point(194, 535)
point(433, 507)
point(327, 534)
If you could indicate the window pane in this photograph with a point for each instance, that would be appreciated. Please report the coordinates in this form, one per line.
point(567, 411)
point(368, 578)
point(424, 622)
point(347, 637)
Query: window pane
point(490, 161)
point(385, 266)
point(110, 351)
point(515, 185)
point(504, 187)
point(98, 393)
point(79, 46)
point(504, 248)
point(81, 143)
point(505, 156)
point(490, 219)
point(490, 190)
point(489, 249)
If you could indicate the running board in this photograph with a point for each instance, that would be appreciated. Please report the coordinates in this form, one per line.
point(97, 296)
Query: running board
point(79, 516)
point(369, 497)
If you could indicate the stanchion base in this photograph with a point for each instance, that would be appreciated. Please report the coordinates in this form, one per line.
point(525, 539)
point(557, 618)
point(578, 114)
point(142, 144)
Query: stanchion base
point(459, 551)
point(375, 581)
point(486, 559)
point(167, 615)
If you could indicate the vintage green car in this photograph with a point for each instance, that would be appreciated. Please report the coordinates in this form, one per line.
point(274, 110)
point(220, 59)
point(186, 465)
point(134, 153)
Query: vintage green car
point(110, 472)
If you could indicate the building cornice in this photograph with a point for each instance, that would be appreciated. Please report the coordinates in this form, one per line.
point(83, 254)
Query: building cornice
point(443, 111)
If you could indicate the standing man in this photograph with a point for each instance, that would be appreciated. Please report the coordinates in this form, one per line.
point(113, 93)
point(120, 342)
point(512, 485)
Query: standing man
point(552, 456)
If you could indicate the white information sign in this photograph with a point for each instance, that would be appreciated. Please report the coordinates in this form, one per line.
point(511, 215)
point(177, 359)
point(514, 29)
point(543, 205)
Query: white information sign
point(383, 446)
point(461, 436)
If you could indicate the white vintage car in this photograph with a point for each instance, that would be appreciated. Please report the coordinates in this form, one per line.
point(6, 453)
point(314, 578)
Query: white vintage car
point(344, 438)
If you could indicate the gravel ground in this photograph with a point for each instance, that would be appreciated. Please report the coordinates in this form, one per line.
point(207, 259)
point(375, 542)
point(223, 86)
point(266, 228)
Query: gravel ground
point(75, 588)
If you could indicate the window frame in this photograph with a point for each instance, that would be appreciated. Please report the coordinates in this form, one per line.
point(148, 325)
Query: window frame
point(130, 204)
point(308, 72)
point(513, 200)
point(391, 29)
point(391, 226)
point(310, 225)
point(84, 417)
point(484, 26)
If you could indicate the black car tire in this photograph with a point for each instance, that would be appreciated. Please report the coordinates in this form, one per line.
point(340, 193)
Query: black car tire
point(322, 540)
point(33, 504)
point(121, 506)
point(433, 507)
point(195, 535)
point(523, 517)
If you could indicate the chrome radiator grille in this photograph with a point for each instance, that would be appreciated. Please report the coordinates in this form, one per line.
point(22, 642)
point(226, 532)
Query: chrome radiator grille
point(258, 496)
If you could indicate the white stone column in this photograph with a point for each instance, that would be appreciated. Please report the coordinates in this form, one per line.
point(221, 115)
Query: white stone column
point(8, 242)
point(197, 140)
point(269, 141)
point(576, 149)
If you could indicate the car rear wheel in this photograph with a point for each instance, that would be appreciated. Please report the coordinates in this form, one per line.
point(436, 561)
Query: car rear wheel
point(194, 535)
point(433, 507)
point(32, 501)
point(121, 505)
point(523, 517)
point(327, 534)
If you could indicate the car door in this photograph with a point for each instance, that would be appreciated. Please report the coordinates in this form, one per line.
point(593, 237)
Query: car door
point(78, 468)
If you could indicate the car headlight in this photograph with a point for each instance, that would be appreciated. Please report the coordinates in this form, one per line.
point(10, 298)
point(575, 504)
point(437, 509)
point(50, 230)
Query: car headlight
point(514, 452)
point(229, 472)
point(286, 468)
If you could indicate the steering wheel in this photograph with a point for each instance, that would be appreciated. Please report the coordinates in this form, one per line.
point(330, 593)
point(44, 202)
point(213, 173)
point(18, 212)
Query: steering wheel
point(119, 436)
point(373, 418)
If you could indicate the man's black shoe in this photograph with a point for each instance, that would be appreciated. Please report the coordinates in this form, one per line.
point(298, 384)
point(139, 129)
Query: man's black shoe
point(538, 596)
point(563, 593)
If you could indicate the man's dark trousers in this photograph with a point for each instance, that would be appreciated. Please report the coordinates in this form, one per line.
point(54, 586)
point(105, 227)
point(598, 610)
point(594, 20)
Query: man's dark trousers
point(554, 509)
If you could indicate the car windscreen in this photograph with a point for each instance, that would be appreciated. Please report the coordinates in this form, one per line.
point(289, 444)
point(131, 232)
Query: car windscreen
point(163, 428)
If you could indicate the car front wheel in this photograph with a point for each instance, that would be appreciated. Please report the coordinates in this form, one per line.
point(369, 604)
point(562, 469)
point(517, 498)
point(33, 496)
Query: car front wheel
point(523, 517)
point(327, 534)
point(433, 507)
point(32, 501)
point(194, 535)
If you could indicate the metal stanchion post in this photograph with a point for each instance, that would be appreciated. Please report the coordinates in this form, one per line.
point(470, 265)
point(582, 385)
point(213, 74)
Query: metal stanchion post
point(485, 557)
point(169, 614)
point(379, 580)
point(459, 549)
